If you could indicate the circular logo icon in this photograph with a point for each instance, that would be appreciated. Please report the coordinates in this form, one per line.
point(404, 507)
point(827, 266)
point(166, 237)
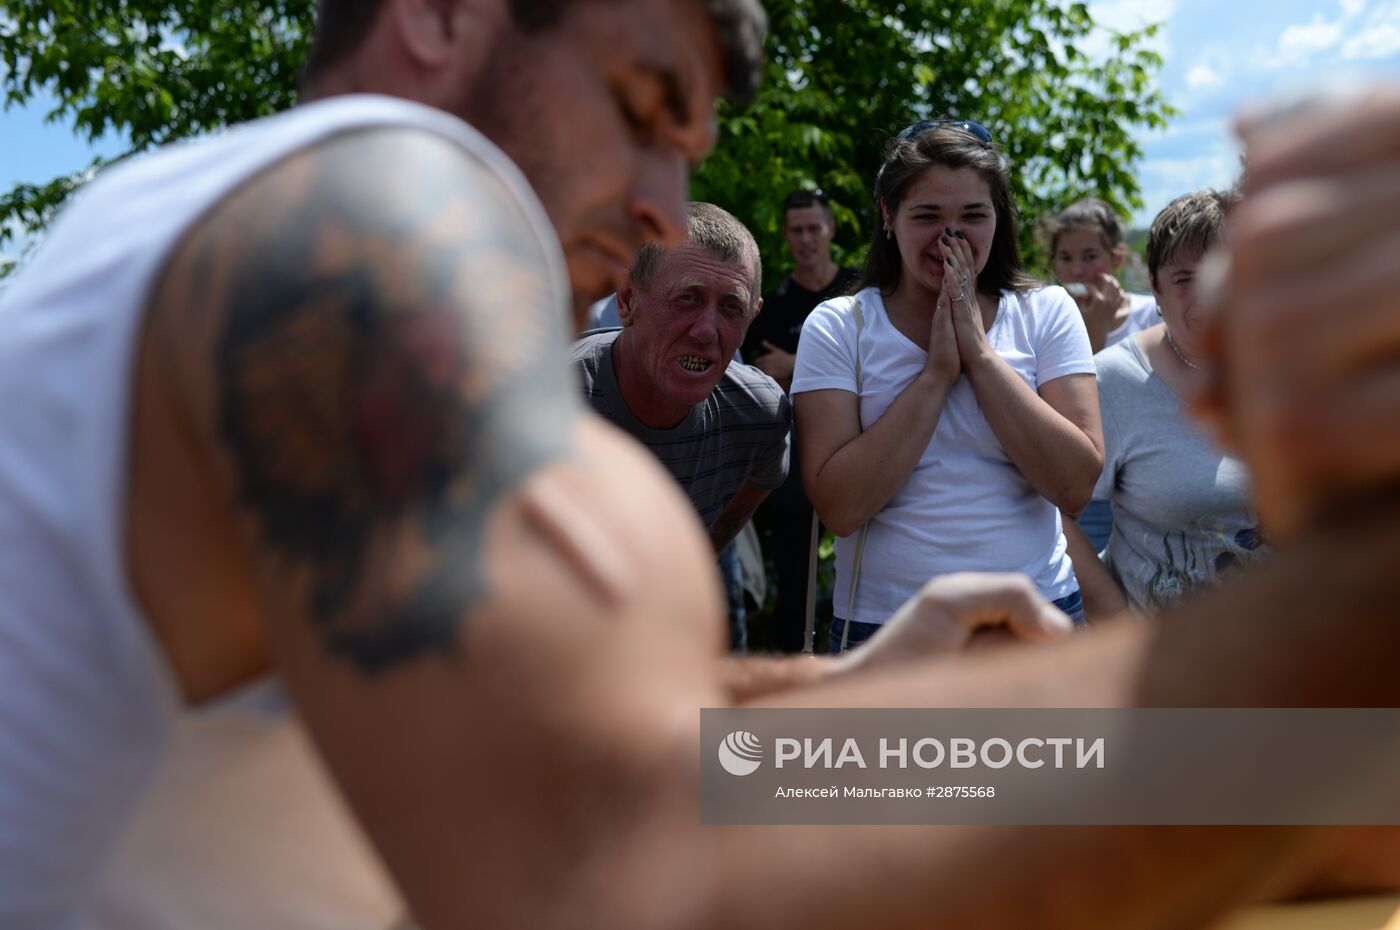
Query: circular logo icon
point(740, 753)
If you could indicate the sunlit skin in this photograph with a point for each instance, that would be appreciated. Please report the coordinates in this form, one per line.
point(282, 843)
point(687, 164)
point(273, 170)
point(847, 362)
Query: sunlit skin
point(1182, 310)
point(1188, 318)
point(680, 331)
point(940, 199)
point(1083, 257)
point(1081, 254)
point(640, 99)
point(808, 232)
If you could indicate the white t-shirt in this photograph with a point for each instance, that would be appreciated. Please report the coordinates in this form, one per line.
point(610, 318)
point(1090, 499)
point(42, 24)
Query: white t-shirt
point(965, 507)
point(1142, 313)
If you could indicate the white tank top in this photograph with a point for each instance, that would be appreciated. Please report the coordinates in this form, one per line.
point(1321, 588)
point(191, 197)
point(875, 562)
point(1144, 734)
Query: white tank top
point(89, 712)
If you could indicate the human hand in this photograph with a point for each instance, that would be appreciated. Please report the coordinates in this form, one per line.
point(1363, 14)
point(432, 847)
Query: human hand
point(960, 284)
point(948, 612)
point(1098, 304)
point(776, 363)
point(1308, 340)
point(943, 361)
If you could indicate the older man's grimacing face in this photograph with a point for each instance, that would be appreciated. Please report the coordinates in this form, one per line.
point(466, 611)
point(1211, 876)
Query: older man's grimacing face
point(688, 321)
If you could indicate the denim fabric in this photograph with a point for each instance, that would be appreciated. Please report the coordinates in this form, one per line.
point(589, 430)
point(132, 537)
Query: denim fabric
point(1097, 523)
point(733, 577)
point(1072, 606)
point(860, 632)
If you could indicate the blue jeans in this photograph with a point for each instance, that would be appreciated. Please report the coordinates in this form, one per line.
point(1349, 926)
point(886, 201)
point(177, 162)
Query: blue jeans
point(732, 574)
point(1097, 523)
point(860, 632)
point(1071, 605)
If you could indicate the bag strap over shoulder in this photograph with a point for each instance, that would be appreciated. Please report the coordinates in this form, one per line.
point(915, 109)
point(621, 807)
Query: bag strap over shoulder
point(864, 527)
point(859, 316)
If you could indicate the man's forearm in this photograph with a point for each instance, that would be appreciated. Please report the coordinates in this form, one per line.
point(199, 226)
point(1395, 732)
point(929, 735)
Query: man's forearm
point(1276, 637)
point(736, 513)
point(747, 678)
point(1318, 626)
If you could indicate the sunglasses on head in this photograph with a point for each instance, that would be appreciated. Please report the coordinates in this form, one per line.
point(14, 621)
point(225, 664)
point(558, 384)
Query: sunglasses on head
point(976, 130)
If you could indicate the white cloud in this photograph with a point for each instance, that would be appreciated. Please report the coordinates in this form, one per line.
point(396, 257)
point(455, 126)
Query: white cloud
point(1352, 7)
point(1382, 41)
point(1203, 75)
point(1170, 180)
point(1113, 16)
point(1378, 37)
point(1301, 41)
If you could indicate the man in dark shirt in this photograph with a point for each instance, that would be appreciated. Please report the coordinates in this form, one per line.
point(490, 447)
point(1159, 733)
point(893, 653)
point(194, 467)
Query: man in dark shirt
point(808, 227)
point(786, 523)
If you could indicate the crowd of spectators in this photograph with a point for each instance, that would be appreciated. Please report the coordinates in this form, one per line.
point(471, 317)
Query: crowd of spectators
point(952, 412)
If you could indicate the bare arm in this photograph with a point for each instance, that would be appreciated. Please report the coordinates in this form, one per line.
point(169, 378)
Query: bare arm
point(735, 514)
point(777, 364)
point(850, 475)
point(373, 361)
point(500, 628)
point(1054, 437)
point(1102, 596)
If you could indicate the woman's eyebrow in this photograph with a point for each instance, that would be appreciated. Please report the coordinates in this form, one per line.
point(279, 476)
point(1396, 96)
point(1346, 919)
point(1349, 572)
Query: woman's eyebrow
point(975, 205)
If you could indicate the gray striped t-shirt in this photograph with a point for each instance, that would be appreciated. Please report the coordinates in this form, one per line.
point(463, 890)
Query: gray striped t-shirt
point(737, 434)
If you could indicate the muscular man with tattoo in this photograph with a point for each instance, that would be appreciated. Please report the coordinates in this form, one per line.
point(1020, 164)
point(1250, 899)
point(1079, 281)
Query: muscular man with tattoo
point(295, 401)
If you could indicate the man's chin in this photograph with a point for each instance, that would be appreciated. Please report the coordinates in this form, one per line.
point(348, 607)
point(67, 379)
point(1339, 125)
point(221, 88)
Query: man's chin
point(590, 283)
point(582, 303)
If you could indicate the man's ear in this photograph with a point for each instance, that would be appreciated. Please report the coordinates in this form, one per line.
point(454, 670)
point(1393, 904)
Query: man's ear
point(757, 309)
point(443, 34)
point(626, 290)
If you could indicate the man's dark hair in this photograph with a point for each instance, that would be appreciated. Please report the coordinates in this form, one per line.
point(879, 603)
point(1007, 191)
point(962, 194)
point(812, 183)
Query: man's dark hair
point(1187, 227)
point(341, 25)
point(716, 231)
point(740, 26)
point(804, 198)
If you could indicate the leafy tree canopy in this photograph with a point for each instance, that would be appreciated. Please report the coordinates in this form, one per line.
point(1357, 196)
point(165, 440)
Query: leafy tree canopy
point(842, 76)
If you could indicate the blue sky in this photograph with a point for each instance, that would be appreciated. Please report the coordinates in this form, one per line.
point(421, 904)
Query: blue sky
point(1218, 55)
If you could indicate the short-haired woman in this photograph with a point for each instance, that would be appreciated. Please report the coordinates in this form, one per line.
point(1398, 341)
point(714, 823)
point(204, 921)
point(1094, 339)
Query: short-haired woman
point(1182, 514)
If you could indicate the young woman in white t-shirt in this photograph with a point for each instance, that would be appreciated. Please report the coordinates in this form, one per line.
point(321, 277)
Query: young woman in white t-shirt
point(975, 416)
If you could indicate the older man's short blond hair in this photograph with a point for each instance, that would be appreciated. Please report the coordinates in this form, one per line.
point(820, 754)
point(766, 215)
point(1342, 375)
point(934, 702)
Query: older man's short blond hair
point(714, 230)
